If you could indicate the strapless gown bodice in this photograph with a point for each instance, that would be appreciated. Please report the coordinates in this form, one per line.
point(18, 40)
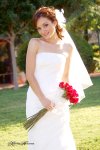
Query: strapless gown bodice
point(49, 70)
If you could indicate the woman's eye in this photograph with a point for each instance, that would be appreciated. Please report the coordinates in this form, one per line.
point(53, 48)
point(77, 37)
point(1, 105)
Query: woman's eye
point(45, 25)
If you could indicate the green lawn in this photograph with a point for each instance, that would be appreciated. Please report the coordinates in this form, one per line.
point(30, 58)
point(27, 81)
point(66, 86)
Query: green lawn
point(85, 120)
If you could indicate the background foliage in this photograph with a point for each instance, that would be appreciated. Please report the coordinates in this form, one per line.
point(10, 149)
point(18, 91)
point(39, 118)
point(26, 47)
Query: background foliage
point(82, 16)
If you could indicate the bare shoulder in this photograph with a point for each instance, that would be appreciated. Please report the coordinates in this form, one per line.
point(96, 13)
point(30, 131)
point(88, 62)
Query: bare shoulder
point(68, 47)
point(34, 40)
point(33, 45)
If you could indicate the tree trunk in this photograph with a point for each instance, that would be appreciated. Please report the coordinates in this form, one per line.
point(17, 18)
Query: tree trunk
point(98, 37)
point(86, 34)
point(13, 58)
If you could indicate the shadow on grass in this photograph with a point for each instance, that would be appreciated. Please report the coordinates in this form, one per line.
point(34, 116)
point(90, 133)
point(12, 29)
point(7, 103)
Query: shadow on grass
point(12, 106)
point(12, 103)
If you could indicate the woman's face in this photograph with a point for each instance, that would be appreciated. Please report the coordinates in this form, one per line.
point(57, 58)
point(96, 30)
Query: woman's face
point(46, 27)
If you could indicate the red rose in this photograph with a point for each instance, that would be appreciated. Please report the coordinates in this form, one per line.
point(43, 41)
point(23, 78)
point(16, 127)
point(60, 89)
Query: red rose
point(61, 85)
point(69, 89)
point(68, 95)
point(66, 86)
point(74, 100)
point(74, 93)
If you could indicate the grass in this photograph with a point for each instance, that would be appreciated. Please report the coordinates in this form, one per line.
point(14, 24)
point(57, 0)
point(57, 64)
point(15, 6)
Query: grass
point(85, 120)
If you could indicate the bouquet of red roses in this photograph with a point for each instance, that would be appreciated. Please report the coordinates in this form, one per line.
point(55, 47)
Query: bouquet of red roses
point(69, 94)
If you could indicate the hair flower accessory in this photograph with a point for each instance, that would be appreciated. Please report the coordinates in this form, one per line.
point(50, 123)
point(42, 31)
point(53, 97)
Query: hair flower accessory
point(60, 17)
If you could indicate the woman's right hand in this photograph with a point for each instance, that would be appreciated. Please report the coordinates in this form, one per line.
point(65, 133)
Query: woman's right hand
point(48, 104)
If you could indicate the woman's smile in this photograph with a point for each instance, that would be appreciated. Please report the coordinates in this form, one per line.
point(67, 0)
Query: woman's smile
point(46, 34)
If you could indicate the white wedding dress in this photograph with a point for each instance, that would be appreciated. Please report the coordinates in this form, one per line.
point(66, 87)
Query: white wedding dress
point(52, 131)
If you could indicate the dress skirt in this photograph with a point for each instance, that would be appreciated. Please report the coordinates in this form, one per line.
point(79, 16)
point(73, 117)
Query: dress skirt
point(52, 131)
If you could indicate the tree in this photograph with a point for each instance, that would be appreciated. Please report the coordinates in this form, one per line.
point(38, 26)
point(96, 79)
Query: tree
point(89, 18)
point(15, 18)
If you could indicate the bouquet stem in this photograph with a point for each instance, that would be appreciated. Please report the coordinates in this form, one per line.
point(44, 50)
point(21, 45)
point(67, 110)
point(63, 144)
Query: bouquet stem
point(33, 119)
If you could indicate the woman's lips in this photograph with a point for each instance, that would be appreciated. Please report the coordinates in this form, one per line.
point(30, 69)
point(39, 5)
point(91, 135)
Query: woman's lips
point(46, 34)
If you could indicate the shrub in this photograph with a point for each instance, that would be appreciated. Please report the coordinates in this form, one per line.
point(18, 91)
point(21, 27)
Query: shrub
point(85, 51)
point(21, 54)
point(21, 58)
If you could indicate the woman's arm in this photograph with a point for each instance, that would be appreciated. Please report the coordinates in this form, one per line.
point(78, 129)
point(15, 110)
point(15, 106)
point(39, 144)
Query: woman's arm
point(67, 64)
point(30, 69)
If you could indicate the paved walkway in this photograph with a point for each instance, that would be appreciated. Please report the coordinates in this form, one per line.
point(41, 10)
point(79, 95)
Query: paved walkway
point(9, 86)
point(96, 74)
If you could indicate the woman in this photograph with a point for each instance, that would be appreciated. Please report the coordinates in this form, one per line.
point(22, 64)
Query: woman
point(50, 60)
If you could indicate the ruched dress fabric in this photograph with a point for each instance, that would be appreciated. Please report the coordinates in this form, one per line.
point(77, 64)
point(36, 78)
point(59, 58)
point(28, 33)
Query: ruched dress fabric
point(52, 131)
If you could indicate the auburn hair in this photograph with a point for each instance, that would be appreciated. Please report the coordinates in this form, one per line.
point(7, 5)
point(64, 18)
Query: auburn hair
point(49, 13)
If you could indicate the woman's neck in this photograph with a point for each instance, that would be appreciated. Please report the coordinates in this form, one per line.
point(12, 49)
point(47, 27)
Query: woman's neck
point(53, 40)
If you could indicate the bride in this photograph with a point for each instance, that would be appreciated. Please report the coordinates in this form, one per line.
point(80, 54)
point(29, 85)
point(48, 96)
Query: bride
point(52, 58)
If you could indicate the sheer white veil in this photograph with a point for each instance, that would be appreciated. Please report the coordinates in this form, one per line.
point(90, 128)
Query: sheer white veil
point(78, 74)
